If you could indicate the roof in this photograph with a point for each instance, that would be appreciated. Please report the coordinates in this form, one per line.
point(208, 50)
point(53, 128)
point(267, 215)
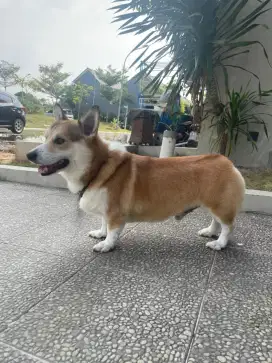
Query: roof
point(88, 70)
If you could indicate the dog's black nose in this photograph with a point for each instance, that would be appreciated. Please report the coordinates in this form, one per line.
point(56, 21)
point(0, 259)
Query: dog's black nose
point(32, 155)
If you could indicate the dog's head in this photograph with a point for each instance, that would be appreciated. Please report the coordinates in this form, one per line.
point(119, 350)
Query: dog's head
point(66, 143)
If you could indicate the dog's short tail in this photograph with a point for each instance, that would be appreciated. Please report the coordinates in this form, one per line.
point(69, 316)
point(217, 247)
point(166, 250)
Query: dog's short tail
point(242, 189)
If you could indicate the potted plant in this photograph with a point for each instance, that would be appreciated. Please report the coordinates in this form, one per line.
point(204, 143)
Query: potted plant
point(242, 111)
point(168, 143)
point(170, 121)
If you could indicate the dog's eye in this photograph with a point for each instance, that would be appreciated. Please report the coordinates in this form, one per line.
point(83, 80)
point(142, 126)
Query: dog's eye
point(59, 140)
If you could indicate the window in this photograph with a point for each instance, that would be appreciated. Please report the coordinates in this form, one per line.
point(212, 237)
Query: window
point(16, 102)
point(5, 98)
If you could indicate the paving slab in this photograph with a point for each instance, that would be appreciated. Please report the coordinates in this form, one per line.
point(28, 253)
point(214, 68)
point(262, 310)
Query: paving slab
point(104, 315)
point(236, 320)
point(171, 260)
point(9, 354)
point(252, 231)
point(27, 276)
point(66, 236)
point(161, 296)
point(29, 208)
point(46, 220)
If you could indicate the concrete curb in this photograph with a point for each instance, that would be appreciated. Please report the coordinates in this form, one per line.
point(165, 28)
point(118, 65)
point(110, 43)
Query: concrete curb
point(24, 175)
point(258, 201)
point(154, 151)
point(255, 200)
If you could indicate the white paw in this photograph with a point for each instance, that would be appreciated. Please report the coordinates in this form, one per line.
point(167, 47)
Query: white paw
point(214, 245)
point(206, 232)
point(97, 234)
point(103, 247)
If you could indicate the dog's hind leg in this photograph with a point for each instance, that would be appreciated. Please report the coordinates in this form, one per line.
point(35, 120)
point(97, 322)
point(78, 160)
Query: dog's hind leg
point(224, 216)
point(100, 233)
point(210, 231)
point(226, 210)
point(223, 239)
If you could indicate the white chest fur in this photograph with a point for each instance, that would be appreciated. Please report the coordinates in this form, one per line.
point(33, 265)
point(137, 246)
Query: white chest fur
point(94, 201)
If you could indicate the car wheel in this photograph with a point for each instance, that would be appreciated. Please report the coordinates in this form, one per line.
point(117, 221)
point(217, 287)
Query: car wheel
point(18, 126)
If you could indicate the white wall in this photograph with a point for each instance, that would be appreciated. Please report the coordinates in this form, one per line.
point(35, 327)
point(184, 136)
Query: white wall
point(257, 63)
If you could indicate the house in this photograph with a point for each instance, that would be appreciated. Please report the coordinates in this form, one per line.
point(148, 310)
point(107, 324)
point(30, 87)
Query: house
point(89, 78)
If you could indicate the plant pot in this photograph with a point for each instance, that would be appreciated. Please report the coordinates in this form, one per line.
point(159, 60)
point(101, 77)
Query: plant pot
point(168, 144)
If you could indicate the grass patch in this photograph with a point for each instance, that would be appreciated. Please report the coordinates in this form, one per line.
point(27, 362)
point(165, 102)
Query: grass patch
point(31, 133)
point(106, 127)
point(260, 179)
point(18, 163)
point(41, 121)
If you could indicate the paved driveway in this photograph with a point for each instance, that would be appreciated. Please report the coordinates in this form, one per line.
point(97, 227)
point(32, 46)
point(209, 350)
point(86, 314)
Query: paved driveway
point(161, 296)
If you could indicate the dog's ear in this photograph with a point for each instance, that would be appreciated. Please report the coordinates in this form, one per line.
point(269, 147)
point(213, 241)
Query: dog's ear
point(59, 113)
point(90, 122)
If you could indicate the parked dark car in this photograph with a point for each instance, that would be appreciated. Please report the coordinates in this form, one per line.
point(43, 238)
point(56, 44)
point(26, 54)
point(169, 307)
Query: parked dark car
point(12, 113)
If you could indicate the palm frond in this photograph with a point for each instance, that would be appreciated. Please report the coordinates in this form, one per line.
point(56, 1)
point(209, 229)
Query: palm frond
point(199, 36)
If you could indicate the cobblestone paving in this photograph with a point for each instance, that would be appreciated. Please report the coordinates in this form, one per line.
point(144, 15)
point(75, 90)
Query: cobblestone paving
point(161, 296)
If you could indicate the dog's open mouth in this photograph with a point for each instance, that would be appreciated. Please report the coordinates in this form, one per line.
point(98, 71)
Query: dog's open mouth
point(53, 168)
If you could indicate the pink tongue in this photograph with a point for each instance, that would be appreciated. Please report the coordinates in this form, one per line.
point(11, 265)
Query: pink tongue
point(43, 169)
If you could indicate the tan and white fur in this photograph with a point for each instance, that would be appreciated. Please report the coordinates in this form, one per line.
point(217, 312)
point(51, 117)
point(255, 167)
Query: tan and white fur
point(124, 187)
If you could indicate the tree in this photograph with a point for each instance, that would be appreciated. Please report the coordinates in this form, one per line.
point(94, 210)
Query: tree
point(81, 92)
point(46, 104)
point(110, 81)
point(24, 83)
point(51, 81)
point(75, 95)
point(8, 74)
point(32, 103)
point(202, 39)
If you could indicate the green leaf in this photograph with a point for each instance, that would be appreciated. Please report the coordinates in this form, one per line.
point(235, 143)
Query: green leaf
point(257, 10)
point(235, 54)
point(246, 30)
point(246, 70)
point(233, 13)
point(138, 58)
point(119, 8)
point(226, 78)
point(241, 44)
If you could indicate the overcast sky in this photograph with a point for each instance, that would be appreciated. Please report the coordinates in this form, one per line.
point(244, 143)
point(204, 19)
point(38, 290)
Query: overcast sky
point(78, 33)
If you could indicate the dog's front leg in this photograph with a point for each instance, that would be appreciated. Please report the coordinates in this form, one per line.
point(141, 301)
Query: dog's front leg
point(109, 243)
point(100, 233)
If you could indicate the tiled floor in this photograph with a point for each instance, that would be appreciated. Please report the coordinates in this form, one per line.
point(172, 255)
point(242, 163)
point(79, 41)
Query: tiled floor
point(161, 296)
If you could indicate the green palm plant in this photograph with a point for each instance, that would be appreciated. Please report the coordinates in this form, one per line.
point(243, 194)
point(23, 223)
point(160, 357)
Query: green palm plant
point(242, 110)
point(200, 37)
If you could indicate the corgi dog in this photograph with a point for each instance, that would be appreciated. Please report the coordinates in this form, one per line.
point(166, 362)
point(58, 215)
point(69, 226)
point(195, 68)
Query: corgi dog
point(122, 187)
